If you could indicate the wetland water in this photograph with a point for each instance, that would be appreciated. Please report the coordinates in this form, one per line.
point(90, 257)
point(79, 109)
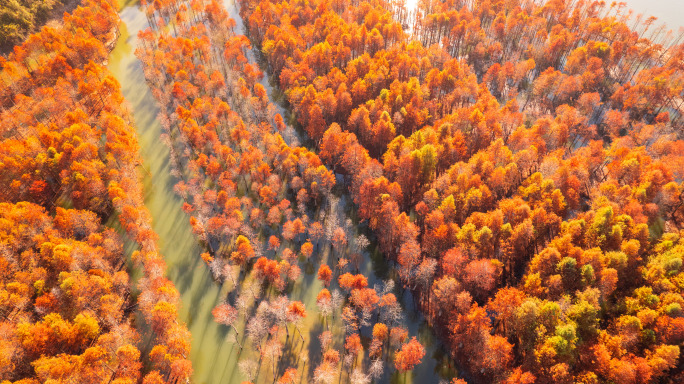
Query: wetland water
point(198, 292)
point(214, 359)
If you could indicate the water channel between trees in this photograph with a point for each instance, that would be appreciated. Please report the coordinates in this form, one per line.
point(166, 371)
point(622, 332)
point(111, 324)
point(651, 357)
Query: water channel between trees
point(214, 359)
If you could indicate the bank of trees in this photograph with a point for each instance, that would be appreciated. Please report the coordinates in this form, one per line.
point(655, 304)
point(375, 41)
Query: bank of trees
point(68, 164)
point(520, 162)
point(263, 207)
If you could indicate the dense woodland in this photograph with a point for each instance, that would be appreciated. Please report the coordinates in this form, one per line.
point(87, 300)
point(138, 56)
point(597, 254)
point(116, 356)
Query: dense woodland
point(20, 17)
point(519, 163)
point(68, 165)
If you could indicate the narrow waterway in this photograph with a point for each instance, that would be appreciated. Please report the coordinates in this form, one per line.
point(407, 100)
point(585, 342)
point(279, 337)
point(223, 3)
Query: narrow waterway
point(214, 359)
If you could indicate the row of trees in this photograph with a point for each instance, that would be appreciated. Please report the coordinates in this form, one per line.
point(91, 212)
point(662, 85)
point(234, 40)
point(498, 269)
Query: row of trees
point(529, 205)
point(263, 207)
point(68, 162)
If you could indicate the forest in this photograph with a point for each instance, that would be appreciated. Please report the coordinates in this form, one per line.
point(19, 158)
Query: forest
point(68, 164)
point(452, 191)
point(18, 18)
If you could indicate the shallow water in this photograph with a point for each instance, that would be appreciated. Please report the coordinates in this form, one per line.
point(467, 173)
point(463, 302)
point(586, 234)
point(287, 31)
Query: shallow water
point(214, 359)
point(198, 292)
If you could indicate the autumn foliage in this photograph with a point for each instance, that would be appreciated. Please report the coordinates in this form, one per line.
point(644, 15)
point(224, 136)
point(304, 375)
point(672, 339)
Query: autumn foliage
point(68, 159)
point(520, 162)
